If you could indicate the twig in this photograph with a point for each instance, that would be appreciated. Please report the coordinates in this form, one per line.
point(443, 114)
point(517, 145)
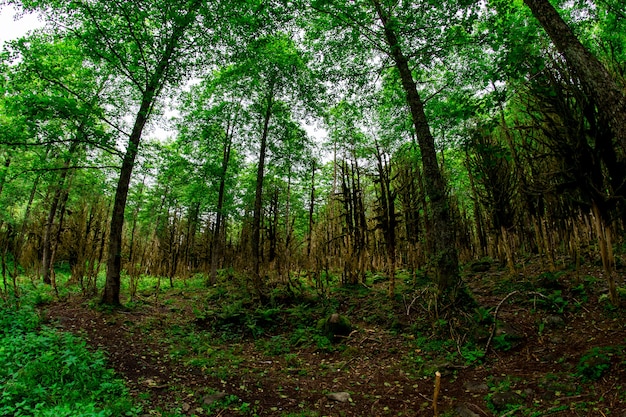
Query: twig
point(479, 409)
point(425, 397)
point(495, 319)
point(408, 308)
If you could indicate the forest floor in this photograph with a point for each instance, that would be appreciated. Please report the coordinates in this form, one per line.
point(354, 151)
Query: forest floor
point(557, 348)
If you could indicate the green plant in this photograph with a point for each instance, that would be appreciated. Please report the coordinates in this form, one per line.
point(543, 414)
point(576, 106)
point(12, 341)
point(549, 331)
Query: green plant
point(301, 414)
point(472, 354)
point(483, 315)
point(276, 345)
point(222, 403)
point(502, 342)
point(554, 302)
point(594, 363)
point(47, 373)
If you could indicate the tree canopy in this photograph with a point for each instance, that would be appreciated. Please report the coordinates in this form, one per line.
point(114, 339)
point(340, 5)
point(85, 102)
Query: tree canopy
point(315, 135)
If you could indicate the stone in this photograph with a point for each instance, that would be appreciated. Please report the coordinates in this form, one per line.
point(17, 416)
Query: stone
point(335, 326)
point(341, 397)
point(475, 387)
point(463, 411)
point(502, 400)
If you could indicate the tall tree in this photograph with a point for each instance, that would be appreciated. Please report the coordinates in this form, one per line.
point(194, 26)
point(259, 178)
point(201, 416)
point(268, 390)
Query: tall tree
point(142, 44)
point(274, 71)
point(607, 93)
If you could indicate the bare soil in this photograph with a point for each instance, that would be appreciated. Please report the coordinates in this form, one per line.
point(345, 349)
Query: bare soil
point(555, 351)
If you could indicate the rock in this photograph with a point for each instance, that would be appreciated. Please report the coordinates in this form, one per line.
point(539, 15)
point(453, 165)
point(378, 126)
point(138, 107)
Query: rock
point(210, 399)
point(463, 411)
point(335, 326)
point(475, 387)
point(341, 397)
point(502, 400)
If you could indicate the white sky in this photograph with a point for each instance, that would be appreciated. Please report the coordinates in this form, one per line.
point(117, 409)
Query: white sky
point(11, 29)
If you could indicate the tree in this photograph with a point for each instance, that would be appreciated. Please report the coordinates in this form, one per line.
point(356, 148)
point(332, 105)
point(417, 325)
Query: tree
point(141, 43)
point(56, 103)
point(212, 115)
point(607, 93)
point(275, 72)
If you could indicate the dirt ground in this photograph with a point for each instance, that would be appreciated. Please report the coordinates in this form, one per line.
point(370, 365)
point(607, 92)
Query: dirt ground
point(562, 360)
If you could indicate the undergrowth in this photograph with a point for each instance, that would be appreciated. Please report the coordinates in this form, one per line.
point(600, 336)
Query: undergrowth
point(44, 372)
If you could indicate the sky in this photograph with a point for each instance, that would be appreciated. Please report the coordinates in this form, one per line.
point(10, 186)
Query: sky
point(12, 29)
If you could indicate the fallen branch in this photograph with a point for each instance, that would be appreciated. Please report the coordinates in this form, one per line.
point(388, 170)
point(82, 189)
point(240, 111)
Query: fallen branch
point(495, 320)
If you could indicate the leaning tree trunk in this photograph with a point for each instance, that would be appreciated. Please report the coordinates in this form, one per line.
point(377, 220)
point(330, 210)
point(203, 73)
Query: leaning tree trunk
point(112, 284)
point(111, 294)
point(445, 256)
point(608, 95)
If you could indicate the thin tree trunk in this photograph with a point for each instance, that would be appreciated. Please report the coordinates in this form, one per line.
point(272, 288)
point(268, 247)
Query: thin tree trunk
point(258, 199)
point(445, 255)
point(311, 211)
point(58, 196)
point(217, 243)
point(7, 164)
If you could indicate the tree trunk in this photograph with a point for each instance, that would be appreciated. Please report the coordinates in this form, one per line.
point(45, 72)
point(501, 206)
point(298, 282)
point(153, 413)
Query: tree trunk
point(217, 243)
point(3, 173)
point(608, 95)
point(258, 199)
point(311, 211)
point(445, 255)
point(388, 219)
point(111, 294)
point(58, 196)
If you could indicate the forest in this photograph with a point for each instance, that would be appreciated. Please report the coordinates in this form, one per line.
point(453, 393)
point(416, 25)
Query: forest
point(308, 208)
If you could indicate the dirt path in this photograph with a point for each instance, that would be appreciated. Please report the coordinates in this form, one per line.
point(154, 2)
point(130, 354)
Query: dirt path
point(543, 369)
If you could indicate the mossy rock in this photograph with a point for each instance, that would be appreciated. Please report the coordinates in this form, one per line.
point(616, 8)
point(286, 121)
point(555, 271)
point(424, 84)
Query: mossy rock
point(335, 326)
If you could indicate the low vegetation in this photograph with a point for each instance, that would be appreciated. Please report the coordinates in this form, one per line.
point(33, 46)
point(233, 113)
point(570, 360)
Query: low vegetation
point(535, 345)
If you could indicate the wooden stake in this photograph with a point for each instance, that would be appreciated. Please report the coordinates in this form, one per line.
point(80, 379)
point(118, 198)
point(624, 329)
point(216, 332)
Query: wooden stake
point(436, 394)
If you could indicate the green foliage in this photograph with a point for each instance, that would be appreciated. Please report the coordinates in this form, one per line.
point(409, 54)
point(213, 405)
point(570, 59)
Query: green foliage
point(502, 342)
point(554, 302)
point(594, 363)
point(483, 315)
point(472, 354)
point(276, 345)
point(47, 373)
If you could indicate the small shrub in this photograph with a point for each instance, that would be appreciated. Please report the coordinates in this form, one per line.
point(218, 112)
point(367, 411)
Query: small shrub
point(593, 364)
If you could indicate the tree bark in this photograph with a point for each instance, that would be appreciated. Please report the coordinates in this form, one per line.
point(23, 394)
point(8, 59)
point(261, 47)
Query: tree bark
point(258, 199)
point(218, 235)
point(445, 257)
point(604, 89)
point(111, 294)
